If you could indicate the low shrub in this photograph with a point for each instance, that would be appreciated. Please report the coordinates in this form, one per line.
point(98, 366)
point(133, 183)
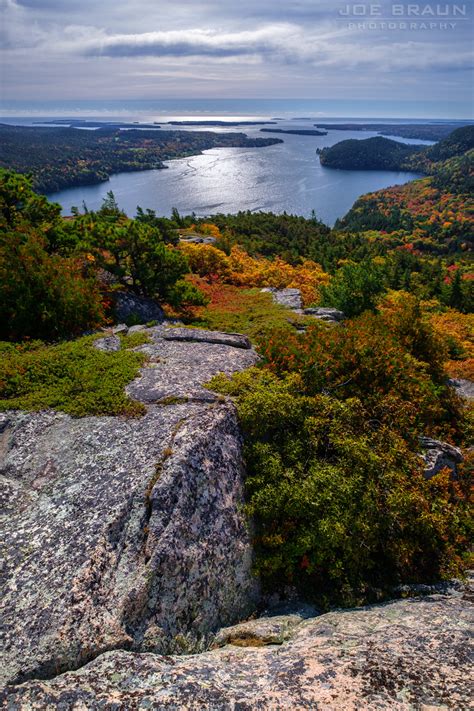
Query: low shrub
point(335, 484)
point(392, 361)
point(44, 296)
point(248, 311)
point(241, 269)
point(73, 377)
point(341, 506)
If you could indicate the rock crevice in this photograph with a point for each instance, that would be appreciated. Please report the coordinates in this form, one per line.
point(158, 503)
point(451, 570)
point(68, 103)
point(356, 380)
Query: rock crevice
point(399, 656)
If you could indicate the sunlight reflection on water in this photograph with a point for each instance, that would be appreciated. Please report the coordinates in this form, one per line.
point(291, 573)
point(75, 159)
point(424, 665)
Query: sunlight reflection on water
point(284, 177)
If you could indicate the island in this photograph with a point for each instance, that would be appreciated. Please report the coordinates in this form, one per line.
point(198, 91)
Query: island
point(219, 123)
point(379, 153)
point(296, 131)
point(65, 157)
point(376, 153)
point(419, 132)
point(91, 124)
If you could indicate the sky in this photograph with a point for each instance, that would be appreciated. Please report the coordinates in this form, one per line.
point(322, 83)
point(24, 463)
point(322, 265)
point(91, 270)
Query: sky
point(384, 54)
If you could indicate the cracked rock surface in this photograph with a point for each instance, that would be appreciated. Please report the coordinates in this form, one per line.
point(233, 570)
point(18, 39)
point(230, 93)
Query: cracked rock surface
point(126, 533)
point(408, 655)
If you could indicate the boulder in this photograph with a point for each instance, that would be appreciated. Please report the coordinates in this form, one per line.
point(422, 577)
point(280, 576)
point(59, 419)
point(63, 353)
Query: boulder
point(325, 313)
point(108, 343)
point(129, 307)
point(291, 298)
point(400, 656)
point(196, 335)
point(127, 533)
point(463, 387)
point(135, 329)
point(439, 455)
point(120, 328)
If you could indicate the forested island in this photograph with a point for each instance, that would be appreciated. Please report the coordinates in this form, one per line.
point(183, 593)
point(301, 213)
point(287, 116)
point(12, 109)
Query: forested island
point(219, 123)
point(376, 153)
point(60, 158)
point(296, 131)
point(380, 153)
point(88, 123)
point(422, 132)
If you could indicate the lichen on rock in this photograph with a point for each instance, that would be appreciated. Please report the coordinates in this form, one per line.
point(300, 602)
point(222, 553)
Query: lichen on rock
point(126, 532)
point(407, 655)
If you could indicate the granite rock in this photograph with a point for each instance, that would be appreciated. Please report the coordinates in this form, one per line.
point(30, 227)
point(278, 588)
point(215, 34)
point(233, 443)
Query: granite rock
point(439, 455)
point(408, 655)
point(463, 387)
point(108, 343)
point(198, 239)
point(291, 298)
point(325, 313)
point(126, 533)
point(131, 307)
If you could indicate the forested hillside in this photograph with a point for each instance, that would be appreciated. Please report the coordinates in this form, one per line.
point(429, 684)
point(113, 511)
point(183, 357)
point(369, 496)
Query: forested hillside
point(376, 153)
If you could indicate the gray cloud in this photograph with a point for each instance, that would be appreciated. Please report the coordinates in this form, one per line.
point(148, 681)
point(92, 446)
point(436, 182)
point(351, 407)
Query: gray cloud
point(222, 47)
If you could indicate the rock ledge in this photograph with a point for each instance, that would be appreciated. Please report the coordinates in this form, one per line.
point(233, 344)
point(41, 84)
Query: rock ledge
point(408, 655)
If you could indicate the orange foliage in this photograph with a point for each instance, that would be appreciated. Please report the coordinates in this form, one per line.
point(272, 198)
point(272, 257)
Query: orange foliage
point(207, 228)
point(240, 269)
point(457, 330)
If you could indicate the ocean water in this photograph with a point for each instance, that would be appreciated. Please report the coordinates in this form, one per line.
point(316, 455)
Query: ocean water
point(419, 111)
point(286, 177)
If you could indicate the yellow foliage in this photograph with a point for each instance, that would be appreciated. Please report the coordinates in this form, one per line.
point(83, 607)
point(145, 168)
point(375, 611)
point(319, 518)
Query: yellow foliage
point(260, 272)
point(458, 329)
point(207, 261)
point(207, 228)
point(240, 269)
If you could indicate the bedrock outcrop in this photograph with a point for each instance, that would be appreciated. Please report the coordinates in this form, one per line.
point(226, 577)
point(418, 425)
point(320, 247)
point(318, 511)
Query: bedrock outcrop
point(292, 299)
point(127, 533)
point(408, 655)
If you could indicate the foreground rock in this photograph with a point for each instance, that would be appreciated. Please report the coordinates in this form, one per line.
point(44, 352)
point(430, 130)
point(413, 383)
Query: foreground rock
point(127, 533)
point(409, 655)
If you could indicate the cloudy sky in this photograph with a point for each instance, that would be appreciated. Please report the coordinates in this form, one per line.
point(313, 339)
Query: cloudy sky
point(55, 50)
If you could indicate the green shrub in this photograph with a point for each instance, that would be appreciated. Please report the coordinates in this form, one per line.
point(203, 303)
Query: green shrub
point(341, 507)
point(334, 480)
point(354, 288)
point(41, 295)
point(248, 311)
point(73, 377)
point(392, 361)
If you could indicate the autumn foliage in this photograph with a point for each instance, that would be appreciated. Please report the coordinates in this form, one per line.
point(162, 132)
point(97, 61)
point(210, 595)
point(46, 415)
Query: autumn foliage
point(332, 419)
point(240, 269)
